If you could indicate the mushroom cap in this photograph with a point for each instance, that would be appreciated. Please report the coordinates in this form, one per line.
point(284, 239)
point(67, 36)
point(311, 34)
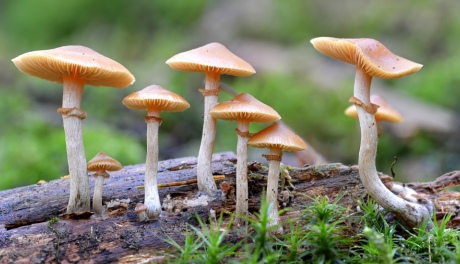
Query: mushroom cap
point(367, 54)
point(244, 106)
point(156, 97)
point(277, 136)
point(140, 207)
point(94, 68)
point(213, 57)
point(385, 112)
point(103, 162)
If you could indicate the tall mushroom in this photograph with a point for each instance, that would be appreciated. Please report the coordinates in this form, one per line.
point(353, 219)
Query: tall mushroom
point(213, 59)
point(154, 99)
point(385, 112)
point(277, 138)
point(243, 109)
point(75, 66)
point(101, 164)
point(373, 59)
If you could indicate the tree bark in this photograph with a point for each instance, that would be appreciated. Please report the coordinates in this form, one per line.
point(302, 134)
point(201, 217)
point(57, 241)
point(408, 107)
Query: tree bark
point(28, 236)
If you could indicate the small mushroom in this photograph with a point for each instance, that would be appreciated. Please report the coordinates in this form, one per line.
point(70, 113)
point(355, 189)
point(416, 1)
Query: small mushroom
point(154, 99)
point(141, 212)
point(277, 138)
point(372, 58)
point(101, 164)
point(243, 109)
point(75, 66)
point(213, 59)
point(385, 112)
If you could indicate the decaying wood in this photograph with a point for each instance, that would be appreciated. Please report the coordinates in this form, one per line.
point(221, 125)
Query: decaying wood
point(29, 233)
point(448, 180)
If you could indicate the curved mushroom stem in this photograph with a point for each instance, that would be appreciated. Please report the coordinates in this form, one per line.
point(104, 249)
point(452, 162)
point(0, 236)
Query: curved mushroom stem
point(412, 214)
point(274, 160)
point(80, 197)
point(152, 198)
point(205, 180)
point(97, 196)
point(241, 210)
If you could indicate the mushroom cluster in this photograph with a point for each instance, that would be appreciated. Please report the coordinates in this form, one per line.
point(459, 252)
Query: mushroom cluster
point(75, 66)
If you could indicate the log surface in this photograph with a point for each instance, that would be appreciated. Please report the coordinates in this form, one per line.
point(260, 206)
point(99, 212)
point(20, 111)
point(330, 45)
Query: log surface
point(28, 236)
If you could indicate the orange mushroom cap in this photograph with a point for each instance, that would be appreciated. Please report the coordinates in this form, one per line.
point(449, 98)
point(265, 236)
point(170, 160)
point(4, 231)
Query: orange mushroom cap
point(156, 97)
point(277, 136)
point(368, 54)
point(103, 162)
point(213, 57)
point(83, 62)
point(385, 112)
point(245, 106)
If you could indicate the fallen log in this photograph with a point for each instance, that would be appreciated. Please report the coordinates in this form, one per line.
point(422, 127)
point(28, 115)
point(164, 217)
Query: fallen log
point(32, 230)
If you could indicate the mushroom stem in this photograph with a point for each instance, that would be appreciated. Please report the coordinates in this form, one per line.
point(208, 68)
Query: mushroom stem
point(272, 184)
point(97, 196)
point(242, 172)
point(152, 198)
point(206, 183)
point(411, 214)
point(79, 199)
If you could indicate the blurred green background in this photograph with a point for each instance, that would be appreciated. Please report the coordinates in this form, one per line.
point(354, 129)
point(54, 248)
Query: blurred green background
point(309, 90)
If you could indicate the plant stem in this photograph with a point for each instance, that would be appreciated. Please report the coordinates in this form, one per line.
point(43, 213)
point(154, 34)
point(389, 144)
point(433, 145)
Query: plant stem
point(206, 183)
point(79, 198)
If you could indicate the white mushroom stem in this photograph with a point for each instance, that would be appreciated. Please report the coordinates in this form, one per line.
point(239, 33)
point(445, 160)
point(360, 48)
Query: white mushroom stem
point(274, 160)
point(242, 172)
point(152, 198)
point(205, 180)
point(412, 214)
point(97, 196)
point(79, 199)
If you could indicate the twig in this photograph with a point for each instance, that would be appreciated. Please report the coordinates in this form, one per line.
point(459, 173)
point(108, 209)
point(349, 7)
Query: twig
point(393, 174)
point(180, 183)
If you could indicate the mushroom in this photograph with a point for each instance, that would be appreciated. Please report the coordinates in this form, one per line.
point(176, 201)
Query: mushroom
point(101, 164)
point(373, 59)
point(140, 210)
point(154, 99)
point(213, 59)
point(384, 113)
point(243, 109)
point(75, 66)
point(277, 138)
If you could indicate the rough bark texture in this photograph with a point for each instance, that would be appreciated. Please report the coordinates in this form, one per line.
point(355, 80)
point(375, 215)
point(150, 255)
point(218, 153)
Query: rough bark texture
point(28, 236)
